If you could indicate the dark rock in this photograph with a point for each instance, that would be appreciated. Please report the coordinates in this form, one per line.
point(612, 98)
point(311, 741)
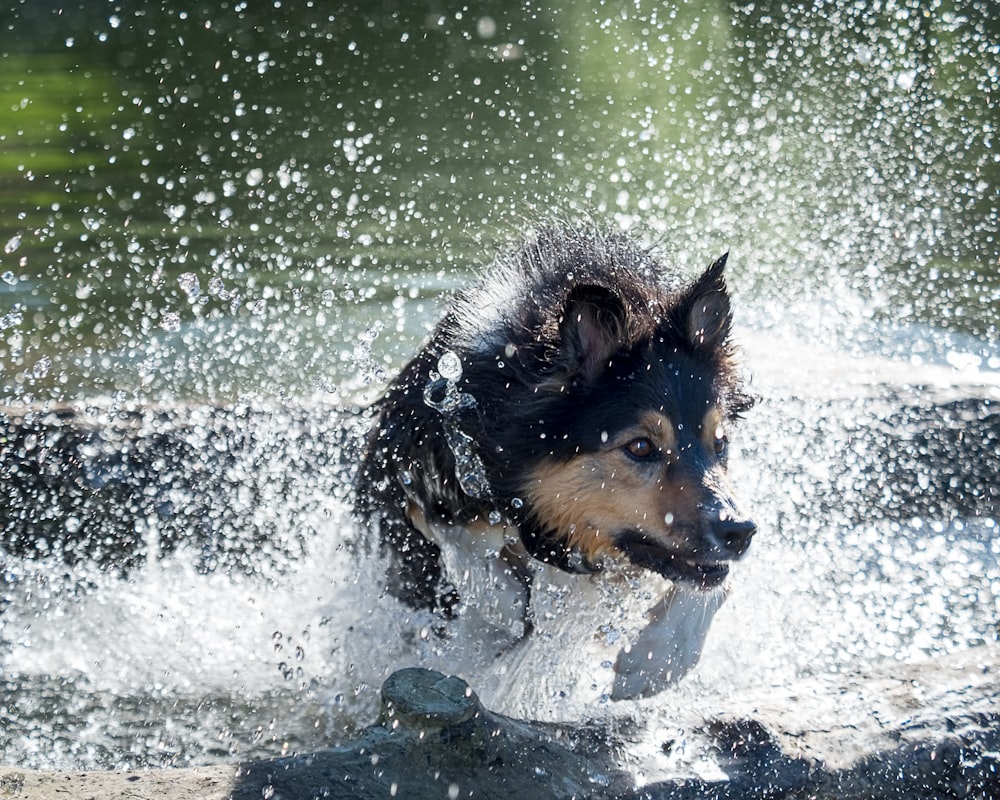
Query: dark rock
point(435, 740)
point(912, 732)
point(108, 484)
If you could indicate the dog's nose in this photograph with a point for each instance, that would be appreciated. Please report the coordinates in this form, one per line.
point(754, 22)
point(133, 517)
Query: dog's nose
point(735, 534)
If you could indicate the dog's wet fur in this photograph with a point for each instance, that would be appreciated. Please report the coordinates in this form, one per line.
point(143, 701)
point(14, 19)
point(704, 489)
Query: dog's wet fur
point(589, 422)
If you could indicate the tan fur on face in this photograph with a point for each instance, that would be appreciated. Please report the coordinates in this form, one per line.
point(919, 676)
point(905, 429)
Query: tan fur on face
point(592, 496)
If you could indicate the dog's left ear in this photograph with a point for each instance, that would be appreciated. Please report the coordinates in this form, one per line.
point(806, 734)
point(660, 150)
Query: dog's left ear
point(592, 329)
point(703, 314)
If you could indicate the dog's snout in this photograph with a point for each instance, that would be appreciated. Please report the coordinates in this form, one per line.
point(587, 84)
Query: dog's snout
point(734, 534)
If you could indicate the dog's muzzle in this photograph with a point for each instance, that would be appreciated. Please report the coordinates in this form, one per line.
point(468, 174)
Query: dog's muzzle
point(733, 535)
point(704, 560)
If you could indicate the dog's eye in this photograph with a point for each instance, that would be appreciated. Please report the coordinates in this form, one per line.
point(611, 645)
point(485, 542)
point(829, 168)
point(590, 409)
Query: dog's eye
point(640, 448)
point(721, 443)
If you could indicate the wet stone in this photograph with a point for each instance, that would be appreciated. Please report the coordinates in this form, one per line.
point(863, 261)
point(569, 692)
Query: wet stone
point(422, 698)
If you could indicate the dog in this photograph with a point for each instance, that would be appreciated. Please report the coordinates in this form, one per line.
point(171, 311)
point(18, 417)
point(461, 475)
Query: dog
point(570, 412)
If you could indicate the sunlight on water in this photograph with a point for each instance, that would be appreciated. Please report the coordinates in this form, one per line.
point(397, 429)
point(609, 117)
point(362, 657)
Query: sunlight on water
point(273, 209)
point(252, 665)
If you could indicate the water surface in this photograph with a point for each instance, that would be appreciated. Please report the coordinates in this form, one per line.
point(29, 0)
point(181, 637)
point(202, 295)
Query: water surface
point(260, 204)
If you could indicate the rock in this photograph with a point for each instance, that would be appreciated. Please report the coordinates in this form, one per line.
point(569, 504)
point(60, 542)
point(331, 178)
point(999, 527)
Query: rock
point(912, 731)
point(435, 740)
point(88, 482)
point(114, 484)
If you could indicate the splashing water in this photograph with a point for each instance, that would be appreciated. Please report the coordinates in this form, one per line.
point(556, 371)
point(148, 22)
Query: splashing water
point(177, 665)
point(844, 154)
point(443, 395)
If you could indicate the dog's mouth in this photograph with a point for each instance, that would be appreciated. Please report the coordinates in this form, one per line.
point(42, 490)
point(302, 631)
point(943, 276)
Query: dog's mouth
point(642, 551)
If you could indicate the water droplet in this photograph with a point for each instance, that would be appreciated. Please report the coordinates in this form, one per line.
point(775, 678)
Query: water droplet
point(905, 80)
point(450, 366)
point(9, 278)
point(486, 27)
point(188, 282)
point(469, 468)
point(516, 502)
point(600, 779)
point(176, 212)
point(495, 518)
point(41, 368)
point(668, 518)
point(170, 321)
point(12, 244)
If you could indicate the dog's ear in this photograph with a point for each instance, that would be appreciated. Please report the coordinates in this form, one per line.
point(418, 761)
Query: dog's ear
point(592, 329)
point(703, 314)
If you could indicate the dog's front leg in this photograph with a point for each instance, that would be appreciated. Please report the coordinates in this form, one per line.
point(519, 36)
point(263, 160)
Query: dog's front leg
point(488, 567)
point(669, 645)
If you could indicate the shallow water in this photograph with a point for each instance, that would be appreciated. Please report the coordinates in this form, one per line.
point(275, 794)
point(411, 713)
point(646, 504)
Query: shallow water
point(265, 206)
point(173, 665)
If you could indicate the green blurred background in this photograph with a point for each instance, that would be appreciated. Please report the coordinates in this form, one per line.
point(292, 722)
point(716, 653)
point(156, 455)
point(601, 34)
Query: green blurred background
point(220, 199)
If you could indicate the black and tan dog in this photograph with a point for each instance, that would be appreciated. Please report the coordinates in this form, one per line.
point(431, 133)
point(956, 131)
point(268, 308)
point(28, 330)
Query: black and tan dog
point(572, 409)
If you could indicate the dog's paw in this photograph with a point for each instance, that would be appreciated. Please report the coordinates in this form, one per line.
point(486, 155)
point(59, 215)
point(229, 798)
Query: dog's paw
point(669, 646)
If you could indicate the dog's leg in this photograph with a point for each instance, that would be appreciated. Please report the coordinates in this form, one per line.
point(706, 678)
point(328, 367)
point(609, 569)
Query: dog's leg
point(414, 574)
point(487, 567)
point(669, 645)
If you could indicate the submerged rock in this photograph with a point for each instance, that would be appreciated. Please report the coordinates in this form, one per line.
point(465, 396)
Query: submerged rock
point(117, 484)
point(910, 731)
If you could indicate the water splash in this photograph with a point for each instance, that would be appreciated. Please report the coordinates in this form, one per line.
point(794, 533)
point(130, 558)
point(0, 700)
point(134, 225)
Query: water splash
point(443, 395)
point(865, 204)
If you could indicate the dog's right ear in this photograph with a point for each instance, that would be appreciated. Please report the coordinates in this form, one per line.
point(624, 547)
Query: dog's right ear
point(703, 313)
point(591, 329)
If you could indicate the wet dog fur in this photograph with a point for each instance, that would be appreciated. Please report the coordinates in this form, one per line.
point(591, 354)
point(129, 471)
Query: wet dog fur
point(589, 423)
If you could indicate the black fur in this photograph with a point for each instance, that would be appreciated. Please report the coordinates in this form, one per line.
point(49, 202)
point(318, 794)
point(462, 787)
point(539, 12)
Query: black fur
point(574, 333)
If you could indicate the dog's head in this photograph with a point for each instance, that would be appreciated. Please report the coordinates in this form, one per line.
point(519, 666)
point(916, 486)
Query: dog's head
point(629, 432)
